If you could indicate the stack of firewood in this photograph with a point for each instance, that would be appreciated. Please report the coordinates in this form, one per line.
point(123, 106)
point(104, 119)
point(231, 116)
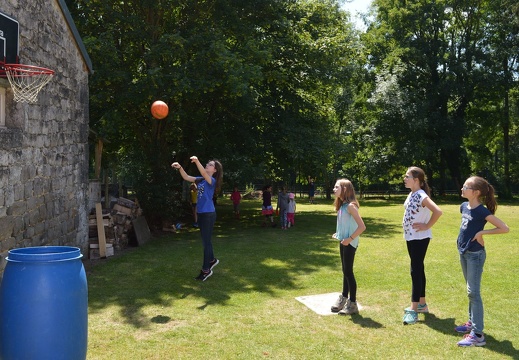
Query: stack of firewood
point(123, 213)
point(117, 223)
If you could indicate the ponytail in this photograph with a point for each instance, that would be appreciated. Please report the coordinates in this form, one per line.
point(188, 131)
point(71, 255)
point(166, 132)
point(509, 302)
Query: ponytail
point(419, 174)
point(486, 191)
point(490, 200)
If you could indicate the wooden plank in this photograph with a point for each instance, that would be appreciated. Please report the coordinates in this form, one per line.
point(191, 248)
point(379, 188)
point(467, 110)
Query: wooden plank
point(94, 251)
point(123, 209)
point(101, 231)
point(98, 157)
point(142, 231)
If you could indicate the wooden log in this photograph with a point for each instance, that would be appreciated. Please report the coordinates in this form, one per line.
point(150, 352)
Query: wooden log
point(101, 231)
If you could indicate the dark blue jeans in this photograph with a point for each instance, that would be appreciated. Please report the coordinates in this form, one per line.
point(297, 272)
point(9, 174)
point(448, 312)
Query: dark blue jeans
point(206, 224)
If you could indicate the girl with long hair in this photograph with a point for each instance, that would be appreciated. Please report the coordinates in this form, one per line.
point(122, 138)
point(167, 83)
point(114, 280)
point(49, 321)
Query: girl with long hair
point(349, 226)
point(420, 214)
point(471, 248)
point(208, 184)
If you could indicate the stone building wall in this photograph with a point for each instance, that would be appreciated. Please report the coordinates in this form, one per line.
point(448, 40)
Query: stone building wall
point(44, 146)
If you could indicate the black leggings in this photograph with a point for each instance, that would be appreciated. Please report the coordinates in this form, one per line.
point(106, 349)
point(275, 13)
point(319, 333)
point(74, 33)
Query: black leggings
point(349, 284)
point(417, 250)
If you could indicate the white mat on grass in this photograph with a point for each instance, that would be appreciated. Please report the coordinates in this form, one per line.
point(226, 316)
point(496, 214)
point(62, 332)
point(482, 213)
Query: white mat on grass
point(321, 303)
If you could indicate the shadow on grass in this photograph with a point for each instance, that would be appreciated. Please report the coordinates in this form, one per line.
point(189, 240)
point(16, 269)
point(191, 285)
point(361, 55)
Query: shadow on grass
point(504, 347)
point(253, 259)
point(446, 326)
point(160, 319)
point(365, 322)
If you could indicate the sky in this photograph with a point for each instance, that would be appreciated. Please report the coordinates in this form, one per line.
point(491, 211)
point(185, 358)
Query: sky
point(357, 6)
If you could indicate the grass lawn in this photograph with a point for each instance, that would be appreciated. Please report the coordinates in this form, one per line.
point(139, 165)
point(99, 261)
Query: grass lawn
point(145, 303)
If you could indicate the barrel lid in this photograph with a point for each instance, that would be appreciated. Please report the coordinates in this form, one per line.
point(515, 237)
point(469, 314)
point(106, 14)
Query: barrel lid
point(44, 254)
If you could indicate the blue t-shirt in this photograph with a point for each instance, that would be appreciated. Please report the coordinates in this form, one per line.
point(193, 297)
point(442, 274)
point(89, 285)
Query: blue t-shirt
point(205, 196)
point(346, 225)
point(472, 221)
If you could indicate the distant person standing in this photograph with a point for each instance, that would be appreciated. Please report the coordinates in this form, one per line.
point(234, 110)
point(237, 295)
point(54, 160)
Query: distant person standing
point(282, 207)
point(209, 183)
point(193, 192)
point(236, 199)
point(311, 189)
point(420, 214)
point(266, 208)
point(291, 211)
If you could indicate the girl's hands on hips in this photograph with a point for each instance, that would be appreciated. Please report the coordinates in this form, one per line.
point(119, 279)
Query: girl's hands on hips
point(346, 241)
point(479, 239)
point(420, 226)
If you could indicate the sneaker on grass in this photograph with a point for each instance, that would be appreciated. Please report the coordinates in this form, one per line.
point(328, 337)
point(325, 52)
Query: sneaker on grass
point(465, 328)
point(473, 340)
point(410, 317)
point(349, 309)
point(422, 308)
point(339, 304)
point(214, 263)
point(204, 275)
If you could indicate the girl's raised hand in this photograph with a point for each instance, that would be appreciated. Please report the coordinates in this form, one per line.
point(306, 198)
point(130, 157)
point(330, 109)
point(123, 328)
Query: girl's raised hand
point(194, 159)
point(175, 165)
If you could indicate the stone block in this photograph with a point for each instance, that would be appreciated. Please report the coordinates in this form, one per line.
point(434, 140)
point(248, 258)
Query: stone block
point(19, 192)
point(39, 228)
point(10, 138)
point(28, 188)
point(6, 227)
point(32, 203)
point(18, 224)
point(34, 217)
point(17, 209)
point(29, 232)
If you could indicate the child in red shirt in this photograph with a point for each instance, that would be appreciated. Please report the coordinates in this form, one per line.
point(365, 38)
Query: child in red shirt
point(236, 198)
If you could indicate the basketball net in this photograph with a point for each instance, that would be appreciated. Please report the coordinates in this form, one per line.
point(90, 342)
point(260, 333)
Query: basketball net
point(27, 80)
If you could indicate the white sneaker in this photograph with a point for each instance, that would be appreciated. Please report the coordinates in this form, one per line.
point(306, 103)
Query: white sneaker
point(349, 309)
point(339, 304)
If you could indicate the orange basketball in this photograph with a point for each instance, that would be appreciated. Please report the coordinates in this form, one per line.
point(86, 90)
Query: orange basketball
point(159, 109)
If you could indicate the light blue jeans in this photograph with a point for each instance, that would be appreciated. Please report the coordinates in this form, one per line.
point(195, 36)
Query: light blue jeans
point(283, 218)
point(472, 267)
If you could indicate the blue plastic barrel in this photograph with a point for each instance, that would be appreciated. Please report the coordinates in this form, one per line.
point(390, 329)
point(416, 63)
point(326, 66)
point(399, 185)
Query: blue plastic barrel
point(44, 305)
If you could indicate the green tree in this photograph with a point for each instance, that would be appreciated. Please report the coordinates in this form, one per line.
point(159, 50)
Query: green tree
point(431, 71)
point(493, 123)
point(246, 82)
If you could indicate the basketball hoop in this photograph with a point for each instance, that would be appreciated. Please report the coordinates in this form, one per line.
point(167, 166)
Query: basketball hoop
point(27, 80)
